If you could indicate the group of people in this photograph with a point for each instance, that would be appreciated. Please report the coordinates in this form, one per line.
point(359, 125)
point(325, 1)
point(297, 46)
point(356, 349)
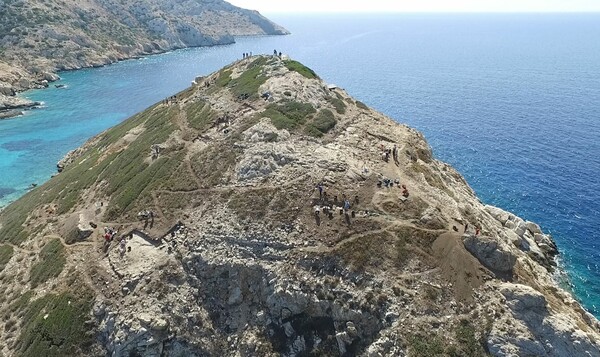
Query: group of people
point(249, 54)
point(109, 234)
point(329, 208)
point(466, 230)
point(389, 183)
point(170, 100)
point(123, 247)
point(386, 182)
point(147, 216)
point(386, 152)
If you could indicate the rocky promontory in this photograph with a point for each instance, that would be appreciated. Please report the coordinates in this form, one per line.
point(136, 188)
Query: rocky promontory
point(14, 106)
point(264, 213)
point(40, 38)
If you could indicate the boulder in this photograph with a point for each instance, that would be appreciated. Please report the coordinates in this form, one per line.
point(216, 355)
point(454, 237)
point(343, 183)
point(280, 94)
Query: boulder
point(521, 298)
point(533, 228)
point(159, 324)
point(520, 228)
point(50, 77)
point(499, 214)
point(6, 89)
point(7, 102)
point(24, 83)
point(493, 254)
point(84, 231)
point(534, 330)
point(235, 297)
point(10, 113)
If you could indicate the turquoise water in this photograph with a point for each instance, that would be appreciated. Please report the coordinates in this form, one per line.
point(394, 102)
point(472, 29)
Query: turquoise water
point(512, 101)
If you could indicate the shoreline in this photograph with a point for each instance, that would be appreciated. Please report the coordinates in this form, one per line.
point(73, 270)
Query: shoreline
point(56, 74)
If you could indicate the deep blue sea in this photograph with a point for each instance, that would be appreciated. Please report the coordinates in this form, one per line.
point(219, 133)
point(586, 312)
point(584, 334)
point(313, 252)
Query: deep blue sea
point(511, 101)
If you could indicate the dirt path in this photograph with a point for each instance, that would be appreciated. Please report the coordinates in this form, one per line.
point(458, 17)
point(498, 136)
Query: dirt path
point(157, 204)
point(354, 237)
point(181, 120)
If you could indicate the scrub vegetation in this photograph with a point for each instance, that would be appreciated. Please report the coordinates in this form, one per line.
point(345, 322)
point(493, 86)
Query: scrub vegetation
point(51, 263)
point(300, 68)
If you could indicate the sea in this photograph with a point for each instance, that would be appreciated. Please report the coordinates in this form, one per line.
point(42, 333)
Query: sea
point(510, 100)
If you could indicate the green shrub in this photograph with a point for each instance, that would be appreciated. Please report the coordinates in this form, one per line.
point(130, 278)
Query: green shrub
point(224, 78)
point(211, 164)
point(312, 131)
point(425, 346)
point(271, 137)
point(338, 104)
point(252, 204)
point(6, 253)
point(432, 178)
point(289, 115)
point(51, 263)
point(296, 110)
point(300, 68)
point(369, 251)
point(55, 325)
point(127, 173)
point(322, 123)
point(468, 344)
point(249, 81)
point(402, 253)
point(279, 120)
point(200, 115)
point(181, 180)
point(13, 218)
point(361, 105)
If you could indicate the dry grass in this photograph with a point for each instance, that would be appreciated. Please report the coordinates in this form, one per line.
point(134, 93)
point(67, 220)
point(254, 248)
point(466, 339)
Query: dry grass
point(213, 165)
point(252, 204)
point(368, 252)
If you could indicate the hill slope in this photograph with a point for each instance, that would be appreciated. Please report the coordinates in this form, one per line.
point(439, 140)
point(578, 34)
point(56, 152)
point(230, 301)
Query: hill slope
point(220, 250)
point(39, 38)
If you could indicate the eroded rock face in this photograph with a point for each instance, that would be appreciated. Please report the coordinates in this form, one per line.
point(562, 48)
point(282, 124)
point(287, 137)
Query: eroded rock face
point(527, 236)
point(11, 106)
point(492, 253)
point(536, 331)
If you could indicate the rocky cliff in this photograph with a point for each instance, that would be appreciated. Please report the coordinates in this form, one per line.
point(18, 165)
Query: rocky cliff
point(263, 213)
point(39, 38)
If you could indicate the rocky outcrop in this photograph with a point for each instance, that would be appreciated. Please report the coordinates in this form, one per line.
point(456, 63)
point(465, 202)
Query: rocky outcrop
point(276, 228)
point(527, 236)
point(14, 106)
point(535, 331)
point(492, 253)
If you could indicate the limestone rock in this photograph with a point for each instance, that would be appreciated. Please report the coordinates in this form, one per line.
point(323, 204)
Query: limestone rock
point(499, 214)
point(537, 331)
point(533, 228)
point(492, 253)
point(521, 298)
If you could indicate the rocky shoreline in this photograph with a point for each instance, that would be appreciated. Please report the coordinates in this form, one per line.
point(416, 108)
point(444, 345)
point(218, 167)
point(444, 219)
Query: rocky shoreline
point(34, 48)
point(14, 106)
